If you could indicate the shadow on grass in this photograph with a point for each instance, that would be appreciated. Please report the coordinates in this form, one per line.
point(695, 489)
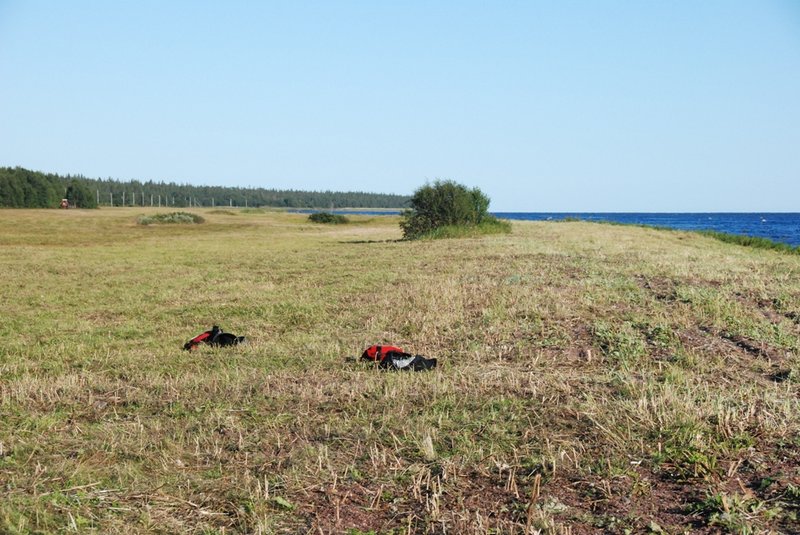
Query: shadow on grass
point(373, 241)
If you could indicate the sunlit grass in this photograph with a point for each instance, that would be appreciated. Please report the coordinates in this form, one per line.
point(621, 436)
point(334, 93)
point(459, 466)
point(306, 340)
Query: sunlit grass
point(624, 366)
point(486, 228)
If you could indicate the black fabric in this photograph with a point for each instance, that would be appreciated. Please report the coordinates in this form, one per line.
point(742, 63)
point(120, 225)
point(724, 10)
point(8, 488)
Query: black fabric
point(406, 362)
point(226, 339)
point(214, 337)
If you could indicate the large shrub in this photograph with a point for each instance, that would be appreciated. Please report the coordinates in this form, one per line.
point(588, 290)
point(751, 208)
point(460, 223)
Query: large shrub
point(447, 204)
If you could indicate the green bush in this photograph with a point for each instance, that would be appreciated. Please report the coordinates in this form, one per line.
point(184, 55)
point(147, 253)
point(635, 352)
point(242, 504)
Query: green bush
point(446, 204)
point(171, 218)
point(327, 217)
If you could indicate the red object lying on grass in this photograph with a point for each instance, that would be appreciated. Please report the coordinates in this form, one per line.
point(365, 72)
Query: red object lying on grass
point(214, 337)
point(394, 358)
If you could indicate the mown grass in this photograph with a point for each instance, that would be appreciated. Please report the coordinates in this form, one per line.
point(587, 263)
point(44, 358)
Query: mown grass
point(592, 378)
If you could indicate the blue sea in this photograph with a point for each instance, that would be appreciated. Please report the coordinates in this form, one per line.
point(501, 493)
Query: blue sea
point(780, 227)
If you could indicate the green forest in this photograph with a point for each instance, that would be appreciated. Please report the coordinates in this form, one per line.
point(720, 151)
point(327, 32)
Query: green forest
point(23, 188)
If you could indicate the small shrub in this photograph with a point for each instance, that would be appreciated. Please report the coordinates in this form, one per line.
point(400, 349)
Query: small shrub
point(183, 218)
point(328, 218)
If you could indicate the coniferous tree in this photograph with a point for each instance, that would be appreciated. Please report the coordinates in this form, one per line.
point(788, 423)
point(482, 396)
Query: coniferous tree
point(79, 195)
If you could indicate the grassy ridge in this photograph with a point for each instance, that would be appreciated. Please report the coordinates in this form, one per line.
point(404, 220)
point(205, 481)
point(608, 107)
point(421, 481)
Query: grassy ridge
point(593, 378)
point(738, 239)
point(752, 241)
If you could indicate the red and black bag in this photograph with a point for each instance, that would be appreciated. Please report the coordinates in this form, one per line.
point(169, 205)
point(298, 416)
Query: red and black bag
point(394, 358)
point(214, 337)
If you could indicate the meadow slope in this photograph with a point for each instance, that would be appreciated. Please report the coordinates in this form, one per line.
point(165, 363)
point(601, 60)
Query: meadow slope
point(593, 378)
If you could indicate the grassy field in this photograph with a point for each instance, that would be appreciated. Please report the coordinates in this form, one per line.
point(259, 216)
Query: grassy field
point(593, 378)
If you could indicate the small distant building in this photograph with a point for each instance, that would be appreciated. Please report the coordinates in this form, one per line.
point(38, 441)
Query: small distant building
point(64, 203)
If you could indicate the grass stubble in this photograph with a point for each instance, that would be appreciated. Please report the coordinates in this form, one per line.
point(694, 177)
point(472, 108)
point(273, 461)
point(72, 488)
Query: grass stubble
point(593, 378)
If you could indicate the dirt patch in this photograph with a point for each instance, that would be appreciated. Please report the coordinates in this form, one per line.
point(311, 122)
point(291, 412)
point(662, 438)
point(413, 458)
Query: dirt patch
point(752, 347)
point(348, 506)
point(431, 502)
point(737, 352)
point(662, 288)
point(605, 504)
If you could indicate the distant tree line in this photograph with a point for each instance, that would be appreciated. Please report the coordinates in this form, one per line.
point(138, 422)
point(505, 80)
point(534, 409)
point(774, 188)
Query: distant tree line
point(23, 188)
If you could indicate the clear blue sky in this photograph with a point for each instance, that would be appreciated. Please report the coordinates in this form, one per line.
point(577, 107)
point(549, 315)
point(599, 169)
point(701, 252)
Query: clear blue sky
point(546, 106)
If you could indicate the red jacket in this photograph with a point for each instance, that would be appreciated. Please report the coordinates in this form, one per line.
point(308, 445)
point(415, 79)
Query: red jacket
point(378, 353)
